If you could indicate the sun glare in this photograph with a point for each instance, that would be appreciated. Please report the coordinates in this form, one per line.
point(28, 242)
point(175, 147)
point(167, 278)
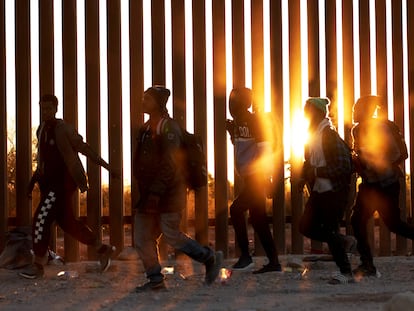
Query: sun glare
point(295, 128)
point(299, 133)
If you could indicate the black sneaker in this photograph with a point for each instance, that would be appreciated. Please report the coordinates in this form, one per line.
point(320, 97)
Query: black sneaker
point(151, 286)
point(364, 270)
point(269, 268)
point(244, 263)
point(32, 271)
point(213, 266)
point(105, 252)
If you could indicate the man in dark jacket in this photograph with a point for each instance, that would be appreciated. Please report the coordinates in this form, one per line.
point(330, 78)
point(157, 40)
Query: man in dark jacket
point(162, 188)
point(377, 158)
point(327, 172)
point(59, 174)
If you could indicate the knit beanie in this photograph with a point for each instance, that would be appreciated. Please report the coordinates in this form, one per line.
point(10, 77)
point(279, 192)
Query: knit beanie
point(160, 95)
point(240, 98)
point(320, 103)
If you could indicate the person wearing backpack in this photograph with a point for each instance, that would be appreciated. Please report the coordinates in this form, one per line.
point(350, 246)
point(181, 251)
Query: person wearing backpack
point(379, 150)
point(326, 172)
point(162, 187)
point(60, 175)
point(251, 148)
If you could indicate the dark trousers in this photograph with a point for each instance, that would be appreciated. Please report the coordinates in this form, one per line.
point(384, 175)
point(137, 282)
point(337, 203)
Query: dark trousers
point(320, 221)
point(56, 205)
point(252, 199)
point(384, 199)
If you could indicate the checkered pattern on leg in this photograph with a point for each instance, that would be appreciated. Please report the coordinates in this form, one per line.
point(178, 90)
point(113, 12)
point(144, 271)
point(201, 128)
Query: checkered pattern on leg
point(44, 210)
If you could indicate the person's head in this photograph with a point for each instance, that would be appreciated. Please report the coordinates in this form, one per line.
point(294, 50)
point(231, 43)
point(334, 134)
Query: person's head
point(240, 101)
point(316, 109)
point(155, 99)
point(365, 107)
point(48, 107)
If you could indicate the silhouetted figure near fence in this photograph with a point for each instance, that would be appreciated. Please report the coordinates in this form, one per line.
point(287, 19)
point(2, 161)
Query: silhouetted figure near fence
point(163, 190)
point(327, 173)
point(253, 161)
point(379, 150)
point(60, 174)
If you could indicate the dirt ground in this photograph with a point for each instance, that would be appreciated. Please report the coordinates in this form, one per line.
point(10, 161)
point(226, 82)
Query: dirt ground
point(288, 290)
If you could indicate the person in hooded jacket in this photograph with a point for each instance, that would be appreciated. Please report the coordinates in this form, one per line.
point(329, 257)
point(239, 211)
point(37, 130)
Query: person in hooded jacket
point(60, 174)
point(163, 190)
point(253, 162)
point(327, 173)
point(377, 159)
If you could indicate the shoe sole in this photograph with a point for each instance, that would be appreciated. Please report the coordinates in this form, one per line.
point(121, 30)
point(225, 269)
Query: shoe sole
point(29, 276)
point(266, 271)
point(375, 275)
point(154, 288)
point(246, 268)
point(108, 264)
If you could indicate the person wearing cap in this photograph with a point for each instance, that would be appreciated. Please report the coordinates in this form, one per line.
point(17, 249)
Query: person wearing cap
point(163, 190)
point(251, 148)
point(327, 171)
point(60, 174)
point(377, 159)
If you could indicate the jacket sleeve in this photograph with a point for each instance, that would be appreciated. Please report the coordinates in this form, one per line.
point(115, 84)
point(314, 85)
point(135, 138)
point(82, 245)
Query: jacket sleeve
point(78, 144)
point(65, 134)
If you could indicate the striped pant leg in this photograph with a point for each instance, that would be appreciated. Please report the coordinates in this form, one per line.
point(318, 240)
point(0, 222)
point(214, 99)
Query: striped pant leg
point(43, 218)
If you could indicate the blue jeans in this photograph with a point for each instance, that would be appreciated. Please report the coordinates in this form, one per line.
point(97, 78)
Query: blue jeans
point(147, 232)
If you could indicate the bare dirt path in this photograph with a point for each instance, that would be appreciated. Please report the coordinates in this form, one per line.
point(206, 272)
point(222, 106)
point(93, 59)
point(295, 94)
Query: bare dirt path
point(113, 290)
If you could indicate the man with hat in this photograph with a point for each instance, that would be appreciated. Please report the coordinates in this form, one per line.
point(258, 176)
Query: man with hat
point(327, 173)
point(163, 190)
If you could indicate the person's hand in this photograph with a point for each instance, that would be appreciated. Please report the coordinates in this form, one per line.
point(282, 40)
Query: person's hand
point(301, 184)
point(83, 188)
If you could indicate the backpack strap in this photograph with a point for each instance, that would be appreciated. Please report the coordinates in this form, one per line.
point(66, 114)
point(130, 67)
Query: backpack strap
point(399, 140)
point(161, 125)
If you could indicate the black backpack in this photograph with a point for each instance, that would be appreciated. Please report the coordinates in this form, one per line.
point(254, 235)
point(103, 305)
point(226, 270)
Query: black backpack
point(193, 158)
point(195, 162)
point(399, 139)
